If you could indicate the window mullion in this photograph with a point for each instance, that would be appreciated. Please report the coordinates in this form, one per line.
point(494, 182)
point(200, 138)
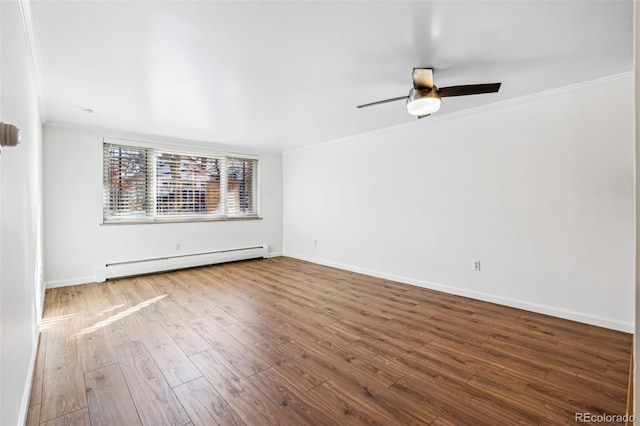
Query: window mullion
point(224, 183)
point(152, 188)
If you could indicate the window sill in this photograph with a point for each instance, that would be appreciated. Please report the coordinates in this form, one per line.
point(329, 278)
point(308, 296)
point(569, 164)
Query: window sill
point(178, 220)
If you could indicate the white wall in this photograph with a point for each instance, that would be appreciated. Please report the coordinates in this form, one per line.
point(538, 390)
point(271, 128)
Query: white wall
point(75, 241)
point(542, 192)
point(636, 68)
point(20, 220)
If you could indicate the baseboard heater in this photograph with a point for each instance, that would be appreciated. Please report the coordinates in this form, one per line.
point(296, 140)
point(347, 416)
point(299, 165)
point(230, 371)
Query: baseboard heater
point(147, 266)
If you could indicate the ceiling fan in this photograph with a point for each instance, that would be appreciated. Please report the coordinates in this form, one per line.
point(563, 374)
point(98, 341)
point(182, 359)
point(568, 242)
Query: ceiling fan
point(424, 98)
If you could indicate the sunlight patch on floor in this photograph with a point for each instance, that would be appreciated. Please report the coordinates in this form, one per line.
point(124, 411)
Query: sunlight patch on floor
point(119, 315)
point(50, 322)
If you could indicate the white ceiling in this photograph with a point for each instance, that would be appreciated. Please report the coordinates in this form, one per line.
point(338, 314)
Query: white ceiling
point(281, 75)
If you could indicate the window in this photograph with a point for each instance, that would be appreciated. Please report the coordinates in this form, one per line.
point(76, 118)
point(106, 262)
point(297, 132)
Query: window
point(126, 181)
point(145, 184)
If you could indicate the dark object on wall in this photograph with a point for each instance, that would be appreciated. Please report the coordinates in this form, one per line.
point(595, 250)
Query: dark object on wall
point(9, 135)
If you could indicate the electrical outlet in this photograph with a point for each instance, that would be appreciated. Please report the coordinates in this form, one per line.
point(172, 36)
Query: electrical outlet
point(315, 242)
point(476, 265)
point(178, 246)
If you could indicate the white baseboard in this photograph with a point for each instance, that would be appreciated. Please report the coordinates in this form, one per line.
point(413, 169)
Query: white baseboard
point(72, 281)
point(527, 306)
point(24, 405)
point(93, 279)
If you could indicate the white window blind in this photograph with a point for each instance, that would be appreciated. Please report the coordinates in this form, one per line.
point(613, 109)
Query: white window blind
point(126, 178)
point(148, 184)
point(188, 185)
point(241, 184)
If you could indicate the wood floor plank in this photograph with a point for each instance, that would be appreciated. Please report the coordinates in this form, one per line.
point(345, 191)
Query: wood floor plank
point(61, 326)
point(204, 405)
point(203, 308)
point(117, 334)
point(534, 396)
point(224, 377)
point(567, 361)
point(33, 415)
point(38, 375)
point(240, 356)
point(371, 333)
point(297, 324)
point(441, 399)
point(341, 359)
point(95, 350)
point(346, 409)
point(77, 418)
point(379, 364)
point(591, 395)
point(302, 376)
point(495, 359)
point(174, 364)
point(284, 341)
point(110, 402)
point(185, 337)
point(593, 354)
point(63, 381)
point(154, 399)
point(264, 332)
point(250, 406)
point(268, 352)
point(282, 394)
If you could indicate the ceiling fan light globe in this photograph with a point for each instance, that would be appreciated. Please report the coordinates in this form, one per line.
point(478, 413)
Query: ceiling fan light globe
point(423, 106)
point(423, 103)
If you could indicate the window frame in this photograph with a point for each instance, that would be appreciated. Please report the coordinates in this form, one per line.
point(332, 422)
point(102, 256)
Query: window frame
point(152, 189)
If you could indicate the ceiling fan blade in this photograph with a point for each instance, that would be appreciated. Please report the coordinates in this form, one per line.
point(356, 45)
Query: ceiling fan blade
point(382, 102)
point(423, 78)
point(469, 89)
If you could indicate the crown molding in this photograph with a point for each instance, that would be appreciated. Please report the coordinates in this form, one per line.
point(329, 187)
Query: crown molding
point(30, 41)
point(113, 133)
point(488, 107)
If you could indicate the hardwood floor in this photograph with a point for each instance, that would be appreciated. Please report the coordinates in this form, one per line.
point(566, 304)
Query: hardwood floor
point(281, 341)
